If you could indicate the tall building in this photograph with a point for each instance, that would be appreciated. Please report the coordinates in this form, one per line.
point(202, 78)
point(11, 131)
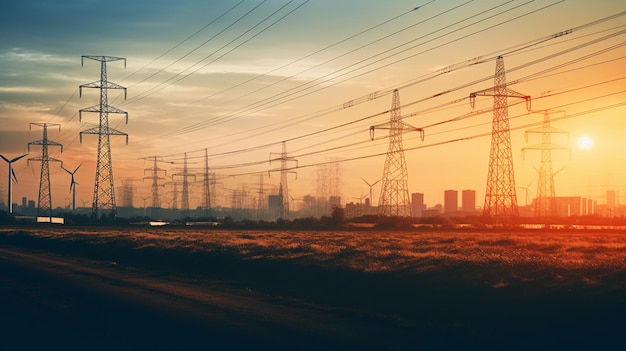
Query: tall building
point(468, 201)
point(450, 201)
point(417, 204)
point(611, 198)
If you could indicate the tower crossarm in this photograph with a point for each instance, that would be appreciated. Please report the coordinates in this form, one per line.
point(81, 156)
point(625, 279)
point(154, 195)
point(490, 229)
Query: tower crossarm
point(404, 127)
point(45, 142)
point(546, 147)
point(98, 130)
point(107, 109)
point(101, 85)
point(509, 93)
point(101, 59)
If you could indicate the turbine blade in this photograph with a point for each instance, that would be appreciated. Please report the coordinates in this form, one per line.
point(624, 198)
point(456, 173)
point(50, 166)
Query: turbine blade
point(4, 158)
point(17, 158)
point(13, 174)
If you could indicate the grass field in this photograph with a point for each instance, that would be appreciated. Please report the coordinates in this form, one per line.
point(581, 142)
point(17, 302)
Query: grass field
point(511, 290)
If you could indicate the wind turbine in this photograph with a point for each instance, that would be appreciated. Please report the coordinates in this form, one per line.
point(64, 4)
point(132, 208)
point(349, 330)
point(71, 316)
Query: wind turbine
point(73, 185)
point(11, 173)
point(144, 204)
point(371, 187)
point(526, 190)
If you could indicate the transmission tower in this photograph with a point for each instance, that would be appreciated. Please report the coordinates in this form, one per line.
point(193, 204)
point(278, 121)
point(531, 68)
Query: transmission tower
point(261, 209)
point(283, 189)
point(44, 203)
point(103, 194)
point(394, 197)
point(155, 170)
point(545, 203)
point(128, 190)
point(184, 206)
point(206, 183)
point(500, 196)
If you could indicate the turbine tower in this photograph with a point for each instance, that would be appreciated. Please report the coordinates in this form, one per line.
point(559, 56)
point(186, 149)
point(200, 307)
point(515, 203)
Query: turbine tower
point(500, 196)
point(545, 205)
point(104, 191)
point(394, 196)
point(73, 184)
point(283, 189)
point(11, 175)
point(44, 204)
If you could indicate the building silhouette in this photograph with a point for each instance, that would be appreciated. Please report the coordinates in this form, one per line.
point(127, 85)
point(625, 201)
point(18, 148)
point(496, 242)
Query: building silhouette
point(450, 201)
point(468, 201)
point(417, 204)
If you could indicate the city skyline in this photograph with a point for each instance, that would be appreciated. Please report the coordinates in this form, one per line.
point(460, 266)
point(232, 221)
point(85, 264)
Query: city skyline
point(229, 105)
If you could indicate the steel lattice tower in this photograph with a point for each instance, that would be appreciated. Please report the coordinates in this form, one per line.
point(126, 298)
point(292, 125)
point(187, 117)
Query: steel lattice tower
point(394, 196)
point(283, 187)
point(500, 196)
point(545, 203)
point(44, 203)
point(206, 193)
point(156, 200)
point(184, 206)
point(104, 191)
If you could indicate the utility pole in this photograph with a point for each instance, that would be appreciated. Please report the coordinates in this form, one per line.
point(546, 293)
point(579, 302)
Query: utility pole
point(545, 205)
point(44, 203)
point(283, 189)
point(500, 196)
point(73, 184)
point(104, 191)
point(394, 196)
point(12, 177)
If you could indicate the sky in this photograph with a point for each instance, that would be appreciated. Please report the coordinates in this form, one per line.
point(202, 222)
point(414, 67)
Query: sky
point(238, 78)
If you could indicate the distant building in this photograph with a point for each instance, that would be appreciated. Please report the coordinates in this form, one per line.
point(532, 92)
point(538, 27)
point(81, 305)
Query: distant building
point(611, 199)
point(417, 204)
point(468, 201)
point(450, 201)
point(567, 206)
point(335, 201)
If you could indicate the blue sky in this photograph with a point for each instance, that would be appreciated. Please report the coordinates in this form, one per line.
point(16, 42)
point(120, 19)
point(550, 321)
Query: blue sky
point(40, 70)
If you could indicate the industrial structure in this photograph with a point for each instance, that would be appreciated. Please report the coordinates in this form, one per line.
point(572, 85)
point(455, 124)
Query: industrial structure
point(185, 174)
point(545, 203)
point(104, 191)
point(44, 203)
point(394, 197)
point(500, 195)
point(155, 170)
point(283, 189)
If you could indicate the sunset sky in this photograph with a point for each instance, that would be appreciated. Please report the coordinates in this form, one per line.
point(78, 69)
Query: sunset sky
point(239, 77)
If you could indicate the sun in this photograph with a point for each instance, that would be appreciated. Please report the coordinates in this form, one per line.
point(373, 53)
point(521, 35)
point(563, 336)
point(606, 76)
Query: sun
point(585, 142)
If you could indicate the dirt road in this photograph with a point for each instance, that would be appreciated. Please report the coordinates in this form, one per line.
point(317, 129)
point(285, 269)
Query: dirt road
point(59, 302)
